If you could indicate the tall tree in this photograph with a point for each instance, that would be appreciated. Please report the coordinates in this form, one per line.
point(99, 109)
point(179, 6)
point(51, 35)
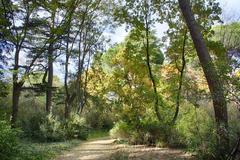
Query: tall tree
point(19, 22)
point(141, 15)
point(212, 77)
point(86, 39)
point(59, 16)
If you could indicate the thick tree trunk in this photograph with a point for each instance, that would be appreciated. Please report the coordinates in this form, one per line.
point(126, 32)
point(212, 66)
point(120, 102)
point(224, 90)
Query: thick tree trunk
point(212, 77)
point(50, 79)
point(16, 91)
point(15, 101)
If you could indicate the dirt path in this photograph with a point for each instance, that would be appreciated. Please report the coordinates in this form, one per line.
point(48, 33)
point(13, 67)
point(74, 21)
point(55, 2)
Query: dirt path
point(106, 149)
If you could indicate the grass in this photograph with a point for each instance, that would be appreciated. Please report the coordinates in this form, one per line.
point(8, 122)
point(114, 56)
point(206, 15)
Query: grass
point(98, 134)
point(43, 151)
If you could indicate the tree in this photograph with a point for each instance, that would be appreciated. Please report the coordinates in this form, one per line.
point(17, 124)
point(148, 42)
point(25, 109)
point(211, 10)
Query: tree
point(19, 23)
point(127, 87)
point(54, 31)
point(85, 40)
point(141, 15)
point(212, 77)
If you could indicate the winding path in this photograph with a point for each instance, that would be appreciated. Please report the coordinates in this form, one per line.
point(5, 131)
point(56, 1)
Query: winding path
point(106, 149)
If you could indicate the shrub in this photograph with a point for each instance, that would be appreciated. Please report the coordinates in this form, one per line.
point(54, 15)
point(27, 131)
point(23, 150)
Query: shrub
point(51, 129)
point(31, 125)
point(8, 141)
point(153, 131)
point(121, 130)
point(197, 131)
point(145, 133)
point(99, 120)
point(75, 127)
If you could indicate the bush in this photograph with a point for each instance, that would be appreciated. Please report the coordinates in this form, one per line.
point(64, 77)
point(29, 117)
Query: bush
point(145, 133)
point(42, 127)
point(121, 130)
point(51, 129)
point(197, 132)
point(99, 120)
point(31, 125)
point(75, 127)
point(8, 141)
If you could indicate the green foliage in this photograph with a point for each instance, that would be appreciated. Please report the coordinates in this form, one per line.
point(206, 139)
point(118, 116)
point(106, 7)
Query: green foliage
point(146, 132)
point(96, 119)
point(31, 125)
point(120, 130)
point(52, 129)
point(43, 151)
point(42, 127)
point(197, 131)
point(8, 141)
point(76, 127)
point(93, 134)
point(228, 35)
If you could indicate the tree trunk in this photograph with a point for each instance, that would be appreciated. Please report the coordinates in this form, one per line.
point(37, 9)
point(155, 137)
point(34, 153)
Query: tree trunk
point(151, 76)
point(50, 79)
point(212, 77)
point(16, 88)
point(180, 80)
point(67, 106)
point(15, 101)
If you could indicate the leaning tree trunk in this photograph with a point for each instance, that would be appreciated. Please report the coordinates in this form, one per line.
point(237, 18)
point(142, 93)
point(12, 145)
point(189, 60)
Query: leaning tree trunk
point(212, 77)
point(50, 79)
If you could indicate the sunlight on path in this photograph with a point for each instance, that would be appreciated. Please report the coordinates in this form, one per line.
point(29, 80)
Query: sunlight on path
point(103, 149)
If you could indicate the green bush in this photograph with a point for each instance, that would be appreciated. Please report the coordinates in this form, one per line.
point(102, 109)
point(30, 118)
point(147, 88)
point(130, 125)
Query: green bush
point(42, 127)
point(99, 120)
point(8, 141)
point(52, 129)
point(121, 130)
point(197, 132)
point(31, 125)
point(76, 127)
point(145, 133)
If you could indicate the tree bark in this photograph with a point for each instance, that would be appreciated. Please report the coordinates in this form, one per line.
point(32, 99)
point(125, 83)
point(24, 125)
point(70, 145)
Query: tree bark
point(212, 77)
point(50, 79)
point(67, 106)
point(67, 96)
point(16, 91)
point(15, 101)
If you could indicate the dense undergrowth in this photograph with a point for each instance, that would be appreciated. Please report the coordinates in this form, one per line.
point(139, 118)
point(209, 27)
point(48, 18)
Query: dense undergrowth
point(42, 137)
point(15, 144)
point(194, 131)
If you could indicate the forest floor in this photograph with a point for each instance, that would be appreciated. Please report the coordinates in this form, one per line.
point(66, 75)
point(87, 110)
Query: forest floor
point(107, 149)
